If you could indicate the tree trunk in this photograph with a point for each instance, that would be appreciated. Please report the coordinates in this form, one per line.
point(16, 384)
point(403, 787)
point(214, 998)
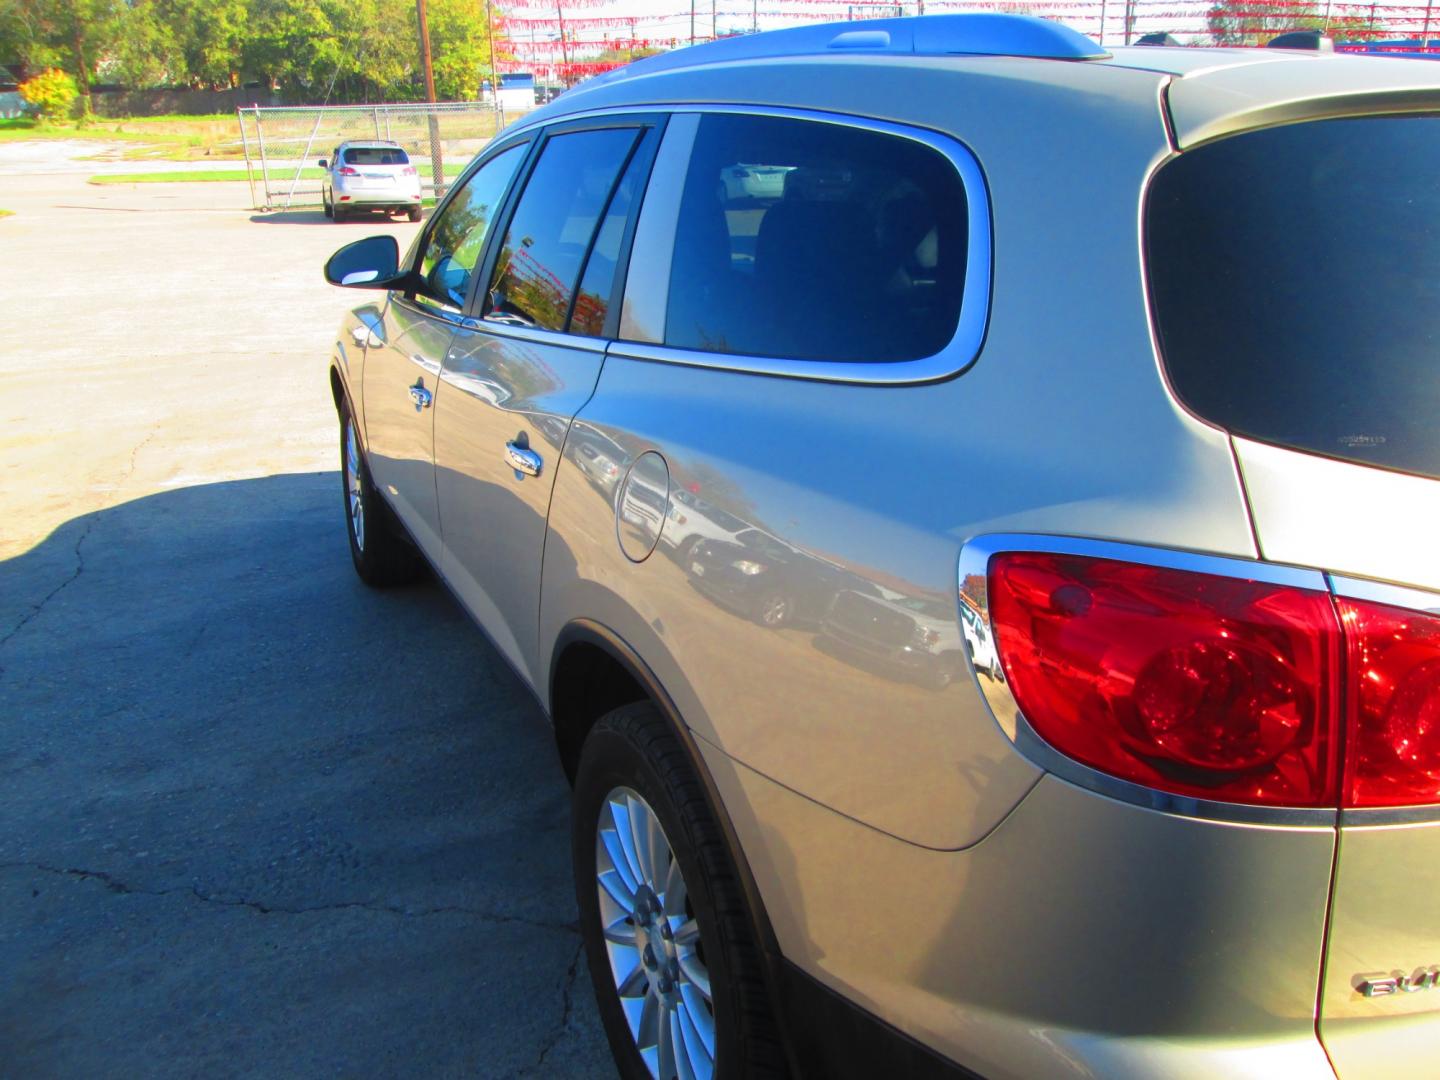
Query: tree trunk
point(82, 71)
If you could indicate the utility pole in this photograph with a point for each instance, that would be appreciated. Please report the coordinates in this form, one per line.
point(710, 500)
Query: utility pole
point(754, 16)
point(437, 161)
point(1129, 19)
point(692, 22)
point(564, 49)
point(714, 30)
point(490, 41)
point(1102, 22)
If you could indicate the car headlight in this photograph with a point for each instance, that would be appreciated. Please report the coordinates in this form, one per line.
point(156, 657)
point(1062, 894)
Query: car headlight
point(748, 568)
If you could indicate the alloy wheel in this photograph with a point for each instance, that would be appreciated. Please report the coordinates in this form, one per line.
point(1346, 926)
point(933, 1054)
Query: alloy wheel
point(653, 941)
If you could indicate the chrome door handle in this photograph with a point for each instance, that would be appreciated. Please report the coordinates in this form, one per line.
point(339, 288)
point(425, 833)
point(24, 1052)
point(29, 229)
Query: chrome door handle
point(522, 459)
point(419, 395)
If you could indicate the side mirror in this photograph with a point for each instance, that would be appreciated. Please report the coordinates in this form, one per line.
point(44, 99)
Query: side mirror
point(324, 164)
point(372, 263)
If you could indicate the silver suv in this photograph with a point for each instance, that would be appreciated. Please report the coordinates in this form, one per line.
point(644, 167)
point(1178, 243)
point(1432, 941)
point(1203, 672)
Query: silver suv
point(967, 501)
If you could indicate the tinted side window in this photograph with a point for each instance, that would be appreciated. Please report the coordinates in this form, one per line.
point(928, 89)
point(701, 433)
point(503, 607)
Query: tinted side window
point(592, 301)
point(1295, 275)
point(457, 237)
point(553, 225)
point(816, 241)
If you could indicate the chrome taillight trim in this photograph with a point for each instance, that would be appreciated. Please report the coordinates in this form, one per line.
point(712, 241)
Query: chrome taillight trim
point(975, 564)
point(1381, 592)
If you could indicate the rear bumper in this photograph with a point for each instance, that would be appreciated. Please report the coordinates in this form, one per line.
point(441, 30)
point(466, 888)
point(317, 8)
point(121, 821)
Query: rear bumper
point(374, 198)
point(1083, 937)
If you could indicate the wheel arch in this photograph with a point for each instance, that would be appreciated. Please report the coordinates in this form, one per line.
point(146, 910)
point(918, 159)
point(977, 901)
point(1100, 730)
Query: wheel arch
point(341, 394)
point(594, 670)
point(338, 391)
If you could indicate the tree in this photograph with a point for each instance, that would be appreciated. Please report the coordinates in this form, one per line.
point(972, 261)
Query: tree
point(460, 48)
point(210, 36)
point(146, 52)
point(74, 35)
point(52, 93)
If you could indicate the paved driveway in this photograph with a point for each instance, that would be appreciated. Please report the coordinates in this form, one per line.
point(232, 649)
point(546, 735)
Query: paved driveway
point(254, 818)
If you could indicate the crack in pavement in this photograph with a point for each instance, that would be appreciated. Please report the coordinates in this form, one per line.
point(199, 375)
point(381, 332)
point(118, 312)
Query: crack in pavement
point(115, 885)
point(94, 516)
point(567, 990)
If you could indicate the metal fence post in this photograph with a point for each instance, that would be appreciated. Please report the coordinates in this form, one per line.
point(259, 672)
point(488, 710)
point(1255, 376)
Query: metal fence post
point(264, 164)
point(437, 159)
point(377, 124)
point(245, 142)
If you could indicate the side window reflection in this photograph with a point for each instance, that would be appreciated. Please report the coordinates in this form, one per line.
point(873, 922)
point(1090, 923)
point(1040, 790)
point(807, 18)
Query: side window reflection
point(457, 238)
point(554, 223)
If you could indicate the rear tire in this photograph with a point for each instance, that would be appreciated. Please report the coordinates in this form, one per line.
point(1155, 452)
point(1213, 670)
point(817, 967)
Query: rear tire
point(337, 213)
point(664, 920)
point(326, 204)
point(381, 555)
point(414, 213)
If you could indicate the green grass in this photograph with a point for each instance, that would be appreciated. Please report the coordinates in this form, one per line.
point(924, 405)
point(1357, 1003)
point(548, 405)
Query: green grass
point(6, 213)
point(168, 138)
point(196, 176)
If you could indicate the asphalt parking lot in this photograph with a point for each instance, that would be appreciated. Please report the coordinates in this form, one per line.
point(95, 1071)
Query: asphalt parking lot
point(257, 819)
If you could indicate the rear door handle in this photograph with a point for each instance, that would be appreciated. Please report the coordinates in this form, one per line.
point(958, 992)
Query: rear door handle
point(419, 395)
point(522, 459)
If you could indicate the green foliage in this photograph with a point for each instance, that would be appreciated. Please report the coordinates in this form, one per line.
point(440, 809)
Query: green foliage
point(74, 35)
point(52, 93)
point(146, 52)
point(459, 46)
point(340, 50)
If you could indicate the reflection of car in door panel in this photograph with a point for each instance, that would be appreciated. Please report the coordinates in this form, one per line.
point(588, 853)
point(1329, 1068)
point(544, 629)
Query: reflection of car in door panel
point(909, 636)
point(760, 577)
point(692, 519)
point(979, 643)
point(889, 668)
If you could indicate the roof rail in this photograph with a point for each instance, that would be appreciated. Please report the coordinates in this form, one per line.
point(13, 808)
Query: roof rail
point(922, 35)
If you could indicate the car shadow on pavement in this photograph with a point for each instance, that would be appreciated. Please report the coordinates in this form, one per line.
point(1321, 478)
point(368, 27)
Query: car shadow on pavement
point(262, 819)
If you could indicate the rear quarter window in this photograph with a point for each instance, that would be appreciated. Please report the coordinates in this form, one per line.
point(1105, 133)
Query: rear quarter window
point(815, 241)
point(1294, 274)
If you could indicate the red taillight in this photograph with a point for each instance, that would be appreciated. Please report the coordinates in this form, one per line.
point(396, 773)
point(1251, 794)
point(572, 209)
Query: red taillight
point(1196, 684)
point(408, 170)
point(1392, 756)
point(346, 170)
point(1221, 688)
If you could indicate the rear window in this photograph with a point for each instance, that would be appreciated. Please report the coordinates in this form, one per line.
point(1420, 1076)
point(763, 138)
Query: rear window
point(816, 241)
point(1295, 278)
point(376, 155)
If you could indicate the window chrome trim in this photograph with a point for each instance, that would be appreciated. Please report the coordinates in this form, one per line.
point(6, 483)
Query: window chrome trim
point(956, 357)
point(975, 563)
point(1381, 592)
point(536, 335)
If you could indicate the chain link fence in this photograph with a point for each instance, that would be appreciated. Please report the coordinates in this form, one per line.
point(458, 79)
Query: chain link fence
point(283, 146)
